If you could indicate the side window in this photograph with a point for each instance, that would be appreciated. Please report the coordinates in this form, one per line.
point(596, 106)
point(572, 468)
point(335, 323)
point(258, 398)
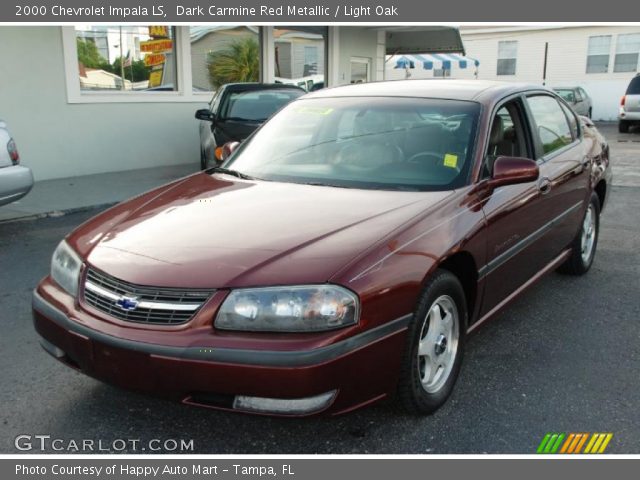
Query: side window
point(583, 93)
point(506, 137)
point(578, 95)
point(573, 121)
point(550, 123)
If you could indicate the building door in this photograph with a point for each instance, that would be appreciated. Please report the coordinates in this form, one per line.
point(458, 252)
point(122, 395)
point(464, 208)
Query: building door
point(360, 70)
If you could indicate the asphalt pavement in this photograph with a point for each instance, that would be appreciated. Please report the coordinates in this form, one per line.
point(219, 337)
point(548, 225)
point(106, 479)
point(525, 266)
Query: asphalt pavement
point(564, 357)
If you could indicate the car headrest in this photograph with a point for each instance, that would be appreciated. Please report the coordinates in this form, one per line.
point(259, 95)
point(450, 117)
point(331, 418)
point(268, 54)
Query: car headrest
point(497, 131)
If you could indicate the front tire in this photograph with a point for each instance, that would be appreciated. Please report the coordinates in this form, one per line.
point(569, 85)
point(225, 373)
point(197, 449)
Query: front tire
point(583, 248)
point(435, 341)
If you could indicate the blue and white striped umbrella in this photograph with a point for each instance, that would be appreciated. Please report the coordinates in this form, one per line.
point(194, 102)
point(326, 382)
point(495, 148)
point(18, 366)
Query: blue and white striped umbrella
point(430, 61)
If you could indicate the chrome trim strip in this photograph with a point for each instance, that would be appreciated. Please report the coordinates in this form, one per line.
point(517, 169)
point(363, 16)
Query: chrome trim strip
point(507, 255)
point(268, 358)
point(187, 307)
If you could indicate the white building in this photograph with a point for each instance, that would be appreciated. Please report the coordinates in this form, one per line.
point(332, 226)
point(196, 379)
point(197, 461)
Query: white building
point(73, 119)
point(601, 59)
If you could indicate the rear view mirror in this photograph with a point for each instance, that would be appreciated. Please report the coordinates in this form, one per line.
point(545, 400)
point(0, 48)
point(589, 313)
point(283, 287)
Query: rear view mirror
point(513, 170)
point(205, 114)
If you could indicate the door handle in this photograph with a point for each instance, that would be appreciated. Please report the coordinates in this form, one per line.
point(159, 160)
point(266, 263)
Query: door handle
point(544, 185)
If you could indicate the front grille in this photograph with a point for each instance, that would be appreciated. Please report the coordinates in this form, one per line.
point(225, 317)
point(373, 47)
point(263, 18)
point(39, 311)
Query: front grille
point(141, 304)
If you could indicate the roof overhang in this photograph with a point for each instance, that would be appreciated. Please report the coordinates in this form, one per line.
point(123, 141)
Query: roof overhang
point(423, 39)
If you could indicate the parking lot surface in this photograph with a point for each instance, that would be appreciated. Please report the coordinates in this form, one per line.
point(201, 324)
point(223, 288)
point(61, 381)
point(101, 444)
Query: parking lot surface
point(564, 357)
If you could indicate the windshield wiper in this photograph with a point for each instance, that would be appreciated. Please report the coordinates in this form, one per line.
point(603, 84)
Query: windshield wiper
point(229, 171)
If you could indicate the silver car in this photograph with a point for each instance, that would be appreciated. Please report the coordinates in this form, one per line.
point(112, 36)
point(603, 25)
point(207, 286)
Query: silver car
point(15, 179)
point(578, 98)
point(630, 106)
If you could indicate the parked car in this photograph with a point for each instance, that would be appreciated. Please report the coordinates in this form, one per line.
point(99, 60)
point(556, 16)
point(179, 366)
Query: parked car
point(235, 111)
point(630, 106)
point(15, 180)
point(340, 255)
point(578, 98)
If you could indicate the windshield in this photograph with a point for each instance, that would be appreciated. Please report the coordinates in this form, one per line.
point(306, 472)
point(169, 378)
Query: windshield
point(566, 94)
point(364, 142)
point(257, 105)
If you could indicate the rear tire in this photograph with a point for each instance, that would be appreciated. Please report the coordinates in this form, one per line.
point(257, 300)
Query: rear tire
point(590, 112)
point(623, 126)
point(434, 347)
point(583, 247)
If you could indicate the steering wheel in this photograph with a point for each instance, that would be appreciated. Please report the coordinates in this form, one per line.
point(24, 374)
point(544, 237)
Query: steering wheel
point(433, 159)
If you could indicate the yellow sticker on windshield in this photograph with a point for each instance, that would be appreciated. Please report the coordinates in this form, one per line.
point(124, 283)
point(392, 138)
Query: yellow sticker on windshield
point(450, 160)
point(314, 110)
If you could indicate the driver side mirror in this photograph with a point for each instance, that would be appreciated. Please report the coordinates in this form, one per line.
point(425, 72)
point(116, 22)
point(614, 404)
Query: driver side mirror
point(205, 114)
point(513, 170)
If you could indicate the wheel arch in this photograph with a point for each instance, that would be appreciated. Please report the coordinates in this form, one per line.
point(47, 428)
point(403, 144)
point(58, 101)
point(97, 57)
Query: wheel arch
point(601, 191)
point(463, 266)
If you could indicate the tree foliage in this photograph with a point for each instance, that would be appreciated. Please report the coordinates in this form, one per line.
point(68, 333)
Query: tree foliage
point(240, 62)
point(89, 55)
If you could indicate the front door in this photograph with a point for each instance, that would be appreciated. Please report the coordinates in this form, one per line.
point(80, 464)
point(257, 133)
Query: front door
point(514, 213)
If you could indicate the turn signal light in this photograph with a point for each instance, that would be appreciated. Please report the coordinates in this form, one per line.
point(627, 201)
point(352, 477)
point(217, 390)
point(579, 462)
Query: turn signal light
point(623, 100)
point(218, 153)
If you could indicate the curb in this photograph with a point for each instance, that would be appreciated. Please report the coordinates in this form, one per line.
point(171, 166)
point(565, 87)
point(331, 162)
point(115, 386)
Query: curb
point(57, 213)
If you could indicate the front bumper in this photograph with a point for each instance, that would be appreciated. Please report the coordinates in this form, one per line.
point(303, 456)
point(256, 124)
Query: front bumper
point(15, 182)
point(335, 378)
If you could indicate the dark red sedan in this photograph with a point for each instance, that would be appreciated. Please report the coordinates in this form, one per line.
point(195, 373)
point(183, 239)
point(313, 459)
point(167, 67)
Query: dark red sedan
point(341, 255)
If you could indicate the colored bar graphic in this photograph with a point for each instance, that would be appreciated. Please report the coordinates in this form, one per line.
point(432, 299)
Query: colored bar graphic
point(572, 443)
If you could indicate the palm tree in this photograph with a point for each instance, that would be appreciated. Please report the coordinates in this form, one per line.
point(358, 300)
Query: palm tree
point(238, 63)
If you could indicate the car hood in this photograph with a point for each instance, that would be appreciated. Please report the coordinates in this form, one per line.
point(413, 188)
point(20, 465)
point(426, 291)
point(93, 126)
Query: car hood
point(216, 231)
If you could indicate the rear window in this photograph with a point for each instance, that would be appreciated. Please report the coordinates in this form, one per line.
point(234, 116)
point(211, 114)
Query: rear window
point(634, 86)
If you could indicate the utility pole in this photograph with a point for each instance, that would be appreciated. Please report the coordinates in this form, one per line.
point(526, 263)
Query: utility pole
point(544, 68)
point(121, 60)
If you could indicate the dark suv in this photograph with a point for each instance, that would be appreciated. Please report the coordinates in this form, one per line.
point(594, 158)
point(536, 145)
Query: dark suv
point(630, 106)
point(235, 111)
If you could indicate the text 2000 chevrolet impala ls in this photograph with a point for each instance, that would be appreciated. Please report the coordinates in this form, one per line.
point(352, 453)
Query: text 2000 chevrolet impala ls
point(340, 255)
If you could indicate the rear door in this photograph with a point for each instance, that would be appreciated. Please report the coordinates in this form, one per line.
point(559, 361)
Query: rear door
point(564, 170)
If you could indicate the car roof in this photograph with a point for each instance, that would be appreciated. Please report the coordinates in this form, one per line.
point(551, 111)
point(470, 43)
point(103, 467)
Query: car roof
point(473, 90)
point(243, 87)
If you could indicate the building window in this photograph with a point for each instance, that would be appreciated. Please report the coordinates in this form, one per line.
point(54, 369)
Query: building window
point(598, 54)
point(222, 54)
point(507, 54)
point(126, 58)
point(300, 56)
point(627, 51)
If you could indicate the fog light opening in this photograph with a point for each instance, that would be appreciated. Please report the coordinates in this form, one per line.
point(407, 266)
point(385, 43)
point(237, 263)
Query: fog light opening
point(285, 406)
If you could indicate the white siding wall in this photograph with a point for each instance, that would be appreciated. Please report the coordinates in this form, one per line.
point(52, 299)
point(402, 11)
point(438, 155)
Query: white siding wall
point(566, 63)
point(57, 139)
point(356, 42)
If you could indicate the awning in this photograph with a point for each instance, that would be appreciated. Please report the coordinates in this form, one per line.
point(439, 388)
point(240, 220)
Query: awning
point(432, 61)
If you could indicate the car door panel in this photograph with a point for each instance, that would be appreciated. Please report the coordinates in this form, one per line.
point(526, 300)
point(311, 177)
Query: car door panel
point(514, 222)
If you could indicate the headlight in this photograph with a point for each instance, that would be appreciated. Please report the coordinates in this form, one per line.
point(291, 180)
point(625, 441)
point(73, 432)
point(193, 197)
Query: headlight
point(289, 309)
point(65, 268)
